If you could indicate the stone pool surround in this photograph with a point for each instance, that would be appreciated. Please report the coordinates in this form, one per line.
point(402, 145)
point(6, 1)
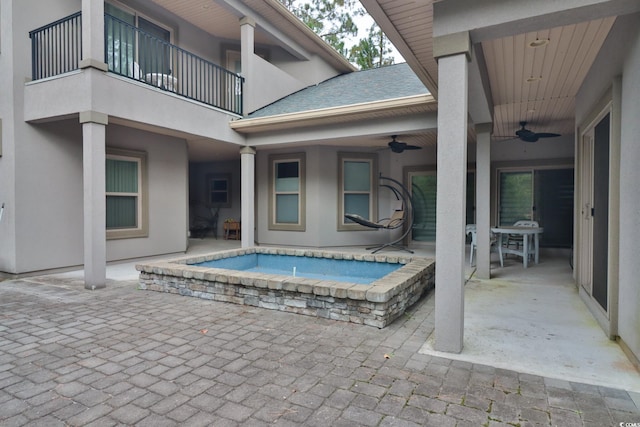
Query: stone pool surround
point(376, 304)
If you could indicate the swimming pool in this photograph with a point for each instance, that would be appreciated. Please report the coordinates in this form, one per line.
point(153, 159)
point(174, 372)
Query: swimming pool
point(377, 303)
point(339, 270)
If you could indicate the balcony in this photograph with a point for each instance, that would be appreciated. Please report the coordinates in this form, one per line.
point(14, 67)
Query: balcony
point(56, 49)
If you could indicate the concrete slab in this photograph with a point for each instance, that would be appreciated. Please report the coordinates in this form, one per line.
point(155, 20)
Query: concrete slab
point(533, 321)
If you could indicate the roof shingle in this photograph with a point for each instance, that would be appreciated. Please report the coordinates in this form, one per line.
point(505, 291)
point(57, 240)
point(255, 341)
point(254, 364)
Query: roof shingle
point(377, 84)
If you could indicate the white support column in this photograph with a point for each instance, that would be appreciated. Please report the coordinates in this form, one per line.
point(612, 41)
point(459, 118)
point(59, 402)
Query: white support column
point(483, 199)
point(247, 48)
point(93, 172)
point(247, 195)
point(93, 35)
point(451, 192)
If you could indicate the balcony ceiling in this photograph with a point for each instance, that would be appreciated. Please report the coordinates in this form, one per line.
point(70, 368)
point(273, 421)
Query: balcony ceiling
point(537, 85)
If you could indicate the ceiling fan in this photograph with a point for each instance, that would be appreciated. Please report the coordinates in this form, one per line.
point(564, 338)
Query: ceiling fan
point(527, 135)
point(399, 146)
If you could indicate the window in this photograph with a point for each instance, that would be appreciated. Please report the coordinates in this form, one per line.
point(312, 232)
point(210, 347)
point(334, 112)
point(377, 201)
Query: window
point(125, 194)
point(357, 180)
point(219, 190)
point(287, 201)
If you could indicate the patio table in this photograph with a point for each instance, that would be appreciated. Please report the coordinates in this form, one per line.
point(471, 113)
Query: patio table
point(526, 232)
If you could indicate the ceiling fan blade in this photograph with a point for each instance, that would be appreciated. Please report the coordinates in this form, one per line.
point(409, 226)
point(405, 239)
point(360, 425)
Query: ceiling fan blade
point(529, 138)
point(509, 139)
point(412, 147)
point(547, 135)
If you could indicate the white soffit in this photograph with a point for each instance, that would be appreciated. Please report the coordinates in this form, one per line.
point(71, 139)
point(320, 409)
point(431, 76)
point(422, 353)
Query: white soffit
point(539, 84)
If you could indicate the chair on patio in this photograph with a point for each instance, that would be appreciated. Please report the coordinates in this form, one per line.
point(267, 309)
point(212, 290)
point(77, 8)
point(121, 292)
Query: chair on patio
point(402, 215)
point(471, 229)
point(135, 72)
point(394, 221)
point(517, 239)
point(203, 220)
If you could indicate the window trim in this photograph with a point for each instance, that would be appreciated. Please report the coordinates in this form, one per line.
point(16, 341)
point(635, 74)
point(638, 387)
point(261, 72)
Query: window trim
point(281, 158)
point(373, 189)
point(142, 230)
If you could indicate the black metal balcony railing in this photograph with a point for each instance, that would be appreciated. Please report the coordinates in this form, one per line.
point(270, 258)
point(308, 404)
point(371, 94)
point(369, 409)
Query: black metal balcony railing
point(56, 48)
point(130, 52)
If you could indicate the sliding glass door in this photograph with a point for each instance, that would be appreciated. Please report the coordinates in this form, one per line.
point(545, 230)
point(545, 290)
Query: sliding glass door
point(543, 195)
point(135, 45)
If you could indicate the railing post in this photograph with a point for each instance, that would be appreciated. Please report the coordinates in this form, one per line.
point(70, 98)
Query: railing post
point(93, 35)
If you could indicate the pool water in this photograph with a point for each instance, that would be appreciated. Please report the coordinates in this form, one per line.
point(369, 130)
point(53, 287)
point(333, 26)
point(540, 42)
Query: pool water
point(339, 270)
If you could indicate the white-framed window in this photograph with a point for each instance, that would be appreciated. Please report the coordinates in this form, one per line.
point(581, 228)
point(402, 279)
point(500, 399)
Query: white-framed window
point(287, 187)
point(126, 188)
point(357, 185)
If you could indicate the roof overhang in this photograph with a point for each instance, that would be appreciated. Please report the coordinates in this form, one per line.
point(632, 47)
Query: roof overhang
point(387, 108)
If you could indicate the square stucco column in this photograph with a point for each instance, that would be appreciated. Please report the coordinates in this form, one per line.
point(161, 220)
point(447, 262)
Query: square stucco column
point(93, 34)
point(247, 47)
point(94, 182)
point(483, 200)
point(247, 196)
point(451, 200)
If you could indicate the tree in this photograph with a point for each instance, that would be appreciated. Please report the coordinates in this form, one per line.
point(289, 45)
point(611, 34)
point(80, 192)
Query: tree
point(373, 51)
point(335, 22)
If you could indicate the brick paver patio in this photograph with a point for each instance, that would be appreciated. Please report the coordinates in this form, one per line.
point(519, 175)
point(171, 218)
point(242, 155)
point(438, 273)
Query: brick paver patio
point(121, 356)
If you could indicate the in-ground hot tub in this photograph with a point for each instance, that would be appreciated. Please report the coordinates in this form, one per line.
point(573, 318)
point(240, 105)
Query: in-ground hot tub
point(378, 303)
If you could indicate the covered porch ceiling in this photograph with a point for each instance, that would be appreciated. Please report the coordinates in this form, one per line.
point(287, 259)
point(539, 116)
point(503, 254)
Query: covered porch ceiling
point(532, 76)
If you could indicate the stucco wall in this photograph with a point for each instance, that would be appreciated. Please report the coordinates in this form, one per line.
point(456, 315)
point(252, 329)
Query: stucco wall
point(7, 161)
point(268, 83)
point(620, 56)
point(310, 72)
point(629, 315)
point(17, 168)
point(168, 193)
point(49, 196)
point(322, 186)
point(321, 202)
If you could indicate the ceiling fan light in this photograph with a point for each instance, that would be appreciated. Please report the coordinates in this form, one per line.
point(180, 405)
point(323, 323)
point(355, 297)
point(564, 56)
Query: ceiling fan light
point(539, 43)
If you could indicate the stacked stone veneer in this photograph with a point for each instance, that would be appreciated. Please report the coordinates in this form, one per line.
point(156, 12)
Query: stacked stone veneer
point(376, 304)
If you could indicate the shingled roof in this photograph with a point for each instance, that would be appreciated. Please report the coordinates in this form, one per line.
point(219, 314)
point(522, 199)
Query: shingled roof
point(377, 84)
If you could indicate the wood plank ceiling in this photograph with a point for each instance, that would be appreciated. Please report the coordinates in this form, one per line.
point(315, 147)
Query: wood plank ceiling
point(537, 85)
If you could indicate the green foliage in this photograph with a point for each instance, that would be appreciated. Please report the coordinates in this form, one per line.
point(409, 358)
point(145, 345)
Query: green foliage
point(334, 21)
point(373, 51)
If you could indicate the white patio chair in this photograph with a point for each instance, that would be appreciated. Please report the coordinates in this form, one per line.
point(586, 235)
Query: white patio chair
point(517, 239)
point(471, 229)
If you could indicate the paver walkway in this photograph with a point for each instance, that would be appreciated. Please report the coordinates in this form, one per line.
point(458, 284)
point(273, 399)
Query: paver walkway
point(121, 356)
